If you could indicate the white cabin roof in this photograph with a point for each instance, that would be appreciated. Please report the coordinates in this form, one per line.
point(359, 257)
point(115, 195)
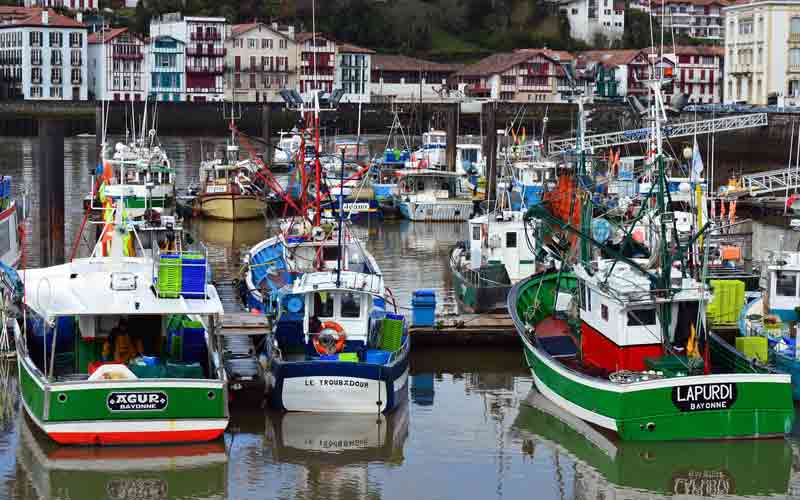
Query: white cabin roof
point(426, 172)
point(350, 280)
point(83, 288)
point(785, 261)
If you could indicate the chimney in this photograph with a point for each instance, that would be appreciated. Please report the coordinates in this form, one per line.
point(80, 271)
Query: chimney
point(275, 26)
point(79, 17)
point(45, 15)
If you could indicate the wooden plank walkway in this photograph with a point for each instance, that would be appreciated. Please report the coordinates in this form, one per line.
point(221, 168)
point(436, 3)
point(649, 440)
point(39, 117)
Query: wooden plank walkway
point(467, 329)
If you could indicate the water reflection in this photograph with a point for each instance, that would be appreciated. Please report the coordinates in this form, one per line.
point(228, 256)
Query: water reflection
point(607, 468)
point(50, 471)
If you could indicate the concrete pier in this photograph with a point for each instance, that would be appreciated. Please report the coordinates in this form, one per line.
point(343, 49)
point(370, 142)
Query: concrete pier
point(51, 191)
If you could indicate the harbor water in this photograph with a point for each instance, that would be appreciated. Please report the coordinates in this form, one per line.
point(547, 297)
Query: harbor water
point(473, 426)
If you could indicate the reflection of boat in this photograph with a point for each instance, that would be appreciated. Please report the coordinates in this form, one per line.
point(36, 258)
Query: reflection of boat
point(165, 472)
point(637, 470)
point(310, 438)
point(229, 234)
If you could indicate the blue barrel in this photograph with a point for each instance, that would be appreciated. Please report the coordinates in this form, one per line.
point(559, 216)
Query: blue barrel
point(423, 308)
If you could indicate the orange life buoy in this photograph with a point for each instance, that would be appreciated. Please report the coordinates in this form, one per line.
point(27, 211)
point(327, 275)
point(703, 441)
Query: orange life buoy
point(323, 347)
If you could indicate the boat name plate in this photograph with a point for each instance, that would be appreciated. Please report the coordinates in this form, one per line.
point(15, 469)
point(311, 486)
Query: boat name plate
point(137, 401)
point(701, 397)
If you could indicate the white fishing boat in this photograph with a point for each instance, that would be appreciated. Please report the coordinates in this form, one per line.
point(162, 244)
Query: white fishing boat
point(227, 190)
point(119, 347)
point(432, 195)
point(432, 153)
point(289, 145)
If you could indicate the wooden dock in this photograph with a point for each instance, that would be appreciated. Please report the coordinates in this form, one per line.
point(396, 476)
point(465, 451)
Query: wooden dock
point(467, 330)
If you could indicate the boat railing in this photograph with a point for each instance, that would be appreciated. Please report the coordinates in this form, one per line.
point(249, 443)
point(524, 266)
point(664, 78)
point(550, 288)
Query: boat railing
point(470, 276)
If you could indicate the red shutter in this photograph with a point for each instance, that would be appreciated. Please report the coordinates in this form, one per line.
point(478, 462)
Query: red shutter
point(238, 63)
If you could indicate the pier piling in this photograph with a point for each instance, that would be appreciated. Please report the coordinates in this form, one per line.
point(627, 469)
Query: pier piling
point(266, 132)
point(51, 191)
point(452, 135)
point(98, 132)
point(489, 115)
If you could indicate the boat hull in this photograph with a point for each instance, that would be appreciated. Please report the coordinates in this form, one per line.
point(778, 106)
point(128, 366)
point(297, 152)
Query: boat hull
point(436, 212)
point(230, 206)
point(8, 225)
point(339, 387)
point(83, 413)
point(476, 295)
point(722, 406)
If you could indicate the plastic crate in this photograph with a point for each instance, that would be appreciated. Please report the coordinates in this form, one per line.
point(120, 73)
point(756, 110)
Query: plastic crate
point(143, 370)
point(350, 357)
point(377, 357)
point(169, 276)
point(753, 347)
point(423, 308)
point(193, 276)
point(184, 370)
point(391, 334)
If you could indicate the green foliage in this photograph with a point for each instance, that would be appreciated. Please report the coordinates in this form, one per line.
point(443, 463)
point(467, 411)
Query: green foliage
point(638, 29)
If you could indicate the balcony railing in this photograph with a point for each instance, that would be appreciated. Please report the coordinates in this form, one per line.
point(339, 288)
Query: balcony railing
point(128, 55)
point(76, 62)
point(194, 51)
point(794, 68)
point(36, 79)
point(77, 81)
point(794, 37)
point(205, 70)
point(36, 62)
point(196, 36)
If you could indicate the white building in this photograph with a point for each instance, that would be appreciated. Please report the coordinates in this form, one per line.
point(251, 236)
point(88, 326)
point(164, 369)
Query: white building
point(205, 52)
point(701, 19)
point(261, 60)
point(70, 4)
point(590, 18)
point(353, 72)
point(43, 56)
point(316, 59)
point(762, 52)
point(117, 67)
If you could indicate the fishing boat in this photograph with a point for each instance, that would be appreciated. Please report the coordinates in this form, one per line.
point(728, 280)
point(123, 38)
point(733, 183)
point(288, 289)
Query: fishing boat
point(604, 467)
point(432, 153)
point(227, 191)
point(120, 347)
point(10, 228)
point(289, 145)
point(171, 472)
point(432, 196)
point(622, 342)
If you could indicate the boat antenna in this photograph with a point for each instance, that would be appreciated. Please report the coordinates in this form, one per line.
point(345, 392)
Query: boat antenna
point(341, 222)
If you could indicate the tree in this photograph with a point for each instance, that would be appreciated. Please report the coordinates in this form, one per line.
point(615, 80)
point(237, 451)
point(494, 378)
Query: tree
point(637, 29)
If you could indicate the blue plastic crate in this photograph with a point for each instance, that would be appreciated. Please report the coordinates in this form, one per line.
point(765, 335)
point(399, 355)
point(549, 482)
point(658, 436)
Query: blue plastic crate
point(377, 357)
point(193, 278)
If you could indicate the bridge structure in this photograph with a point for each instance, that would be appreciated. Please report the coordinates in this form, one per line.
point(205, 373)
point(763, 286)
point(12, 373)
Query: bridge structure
point(771, 181)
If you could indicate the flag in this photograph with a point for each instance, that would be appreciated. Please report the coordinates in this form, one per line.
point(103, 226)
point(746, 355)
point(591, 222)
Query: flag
point(697, 161)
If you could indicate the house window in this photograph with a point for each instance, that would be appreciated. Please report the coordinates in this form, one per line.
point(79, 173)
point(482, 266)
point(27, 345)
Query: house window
point(350, 305)
point(511, 240)
point(476, 233)
point(55, 75)
point(574, 12)
point(794, 26)
point(36, 75)
point(604, 311)
point(786, 284)
point(323, 305)
point(252, 43)
point(36, 57)
point(794, 57)
point(642, 317)
point(36, 91)
point(35, 39)
point(56, 39)
point(76, 39)
point(55, 57)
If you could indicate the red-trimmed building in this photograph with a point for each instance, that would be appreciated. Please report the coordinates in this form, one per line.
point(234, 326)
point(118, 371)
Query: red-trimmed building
point(117, 66)
point(318, 75)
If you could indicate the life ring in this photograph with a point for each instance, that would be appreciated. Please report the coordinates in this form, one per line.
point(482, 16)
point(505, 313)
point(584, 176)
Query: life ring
point(324, 340)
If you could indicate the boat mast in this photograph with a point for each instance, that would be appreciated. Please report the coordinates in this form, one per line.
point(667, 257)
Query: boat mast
point(341, 222)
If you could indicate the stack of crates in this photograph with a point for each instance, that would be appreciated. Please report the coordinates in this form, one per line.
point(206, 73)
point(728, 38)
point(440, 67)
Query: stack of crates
point(193, 277)
point(392, 333)
point(169, 276)
point(188, 343)
point(727, 302)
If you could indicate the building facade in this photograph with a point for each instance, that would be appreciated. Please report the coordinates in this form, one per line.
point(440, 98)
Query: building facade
point(205, 52)
point(166, 62)
point(701, 19)
point(618, 73)
point(316, 59)
point(261, 60)
point(590, 18)
point(762, 52)
point(43, 57)
point(69, 4)
point(525, 75)
point(698, 72)
point(117, 67)
point(406, 79)
point(354, 72)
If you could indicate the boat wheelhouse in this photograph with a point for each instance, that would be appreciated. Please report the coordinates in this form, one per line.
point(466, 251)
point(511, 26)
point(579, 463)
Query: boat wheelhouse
point(336, 348)
point(501, 250)
point(289, 145)
point(119, 347)
point(10, 244)
point(430, 195)
point(432, 153)
point(531, 179)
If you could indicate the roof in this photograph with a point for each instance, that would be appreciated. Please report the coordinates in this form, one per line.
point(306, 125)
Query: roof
point(18, 17)
point(393, 62)
point(695, 50)
point(498, 63)
point(612, 57)
point(240, 29)
point(308, 35)
point(348, 280)
point(111, 34)
point(353, 49)
point(722, 3)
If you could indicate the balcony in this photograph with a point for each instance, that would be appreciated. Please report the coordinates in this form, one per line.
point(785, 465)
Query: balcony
point(194, 51)
point(794, 68)
point(77, 80)
point(76, 62)
point(36, 79)
point(36, 62)
point(129, 56)
point(794, 37)
point(205, 70)
point(199, 37)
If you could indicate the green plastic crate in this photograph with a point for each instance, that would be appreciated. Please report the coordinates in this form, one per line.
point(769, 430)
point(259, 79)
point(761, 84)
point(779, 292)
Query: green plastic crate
point(184, 370)
point(169, 277)
point(727, 303)
point(391, 334)
point(350, 357)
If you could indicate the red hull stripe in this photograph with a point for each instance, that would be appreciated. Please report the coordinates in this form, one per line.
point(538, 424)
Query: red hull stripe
point(7, 212)
point(193, 436)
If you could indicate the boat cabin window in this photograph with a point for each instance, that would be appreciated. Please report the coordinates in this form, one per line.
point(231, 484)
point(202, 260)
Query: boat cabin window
point(642, 317)
point(511, 240)
point(323, 305)
point(330, 253)
point(420, 185)
point(476, 232)
point(786, 284)
point(604, 311)
point(350, 305)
